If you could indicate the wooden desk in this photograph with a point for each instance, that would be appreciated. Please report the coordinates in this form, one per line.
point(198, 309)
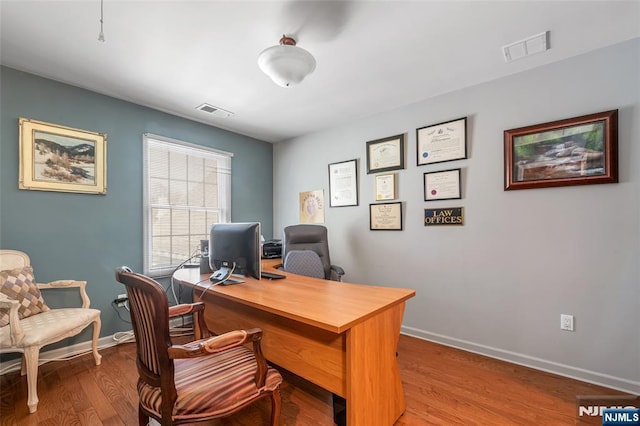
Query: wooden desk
point(342, 337)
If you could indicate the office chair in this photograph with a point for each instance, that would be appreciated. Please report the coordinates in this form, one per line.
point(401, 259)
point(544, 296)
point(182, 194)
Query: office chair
point(202, 380)
point(306, 252)
point(27, 323)
point(314, 238)
point(304, 262)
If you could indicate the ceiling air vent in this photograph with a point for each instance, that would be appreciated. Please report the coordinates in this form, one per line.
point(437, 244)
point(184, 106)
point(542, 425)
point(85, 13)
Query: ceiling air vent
point(529, 46)
point(214, 110)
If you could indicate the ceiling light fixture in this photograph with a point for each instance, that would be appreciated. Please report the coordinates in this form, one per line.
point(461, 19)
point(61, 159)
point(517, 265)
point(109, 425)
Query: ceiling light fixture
point(101, 35)
point(286, 64)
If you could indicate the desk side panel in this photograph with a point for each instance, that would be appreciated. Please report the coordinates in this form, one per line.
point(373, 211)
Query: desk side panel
point(309, 352)
point(373, 379)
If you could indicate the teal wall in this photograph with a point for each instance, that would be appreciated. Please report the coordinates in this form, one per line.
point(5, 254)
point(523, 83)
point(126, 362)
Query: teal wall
point(85, 237)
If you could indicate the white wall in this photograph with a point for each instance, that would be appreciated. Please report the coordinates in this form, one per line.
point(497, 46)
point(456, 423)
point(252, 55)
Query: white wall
point(498, 284)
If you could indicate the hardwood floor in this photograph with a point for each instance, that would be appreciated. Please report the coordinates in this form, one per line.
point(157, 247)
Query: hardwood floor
point(443, 386)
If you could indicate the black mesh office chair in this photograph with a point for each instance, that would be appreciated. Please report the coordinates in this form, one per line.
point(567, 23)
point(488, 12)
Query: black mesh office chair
point(306, 252)
point(314, 238)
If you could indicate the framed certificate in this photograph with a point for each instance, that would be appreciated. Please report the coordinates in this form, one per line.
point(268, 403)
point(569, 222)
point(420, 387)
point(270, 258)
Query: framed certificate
point(444, 185)
point(442, 142)
point(385, 217)
point(386, 154)
point(343, 184)
point(385, 187)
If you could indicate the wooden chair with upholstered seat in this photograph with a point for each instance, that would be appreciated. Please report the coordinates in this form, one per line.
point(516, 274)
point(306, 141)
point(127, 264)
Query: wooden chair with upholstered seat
point(27, 323)
point(209, 378)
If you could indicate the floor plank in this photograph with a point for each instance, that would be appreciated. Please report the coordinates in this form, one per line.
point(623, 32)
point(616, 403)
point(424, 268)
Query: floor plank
point(443, 386)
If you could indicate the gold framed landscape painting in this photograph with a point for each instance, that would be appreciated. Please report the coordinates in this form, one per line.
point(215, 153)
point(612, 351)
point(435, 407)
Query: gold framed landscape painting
point(63, 159)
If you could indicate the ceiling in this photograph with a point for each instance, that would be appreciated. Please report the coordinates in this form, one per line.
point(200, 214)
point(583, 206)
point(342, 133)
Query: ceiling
point(372, 56)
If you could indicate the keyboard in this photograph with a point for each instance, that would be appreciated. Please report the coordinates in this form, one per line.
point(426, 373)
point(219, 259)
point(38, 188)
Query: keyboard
point(272, 276)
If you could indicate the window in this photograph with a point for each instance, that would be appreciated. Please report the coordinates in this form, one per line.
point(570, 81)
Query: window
point(187, 188)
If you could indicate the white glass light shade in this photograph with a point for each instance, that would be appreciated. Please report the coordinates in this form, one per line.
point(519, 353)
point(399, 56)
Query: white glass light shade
point(286, 65)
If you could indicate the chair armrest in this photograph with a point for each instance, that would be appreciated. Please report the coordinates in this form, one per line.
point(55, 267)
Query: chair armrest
point(200, 329)
point(213, 344)
point(337, 271)
point(67, 284)
point(185, 309)
point(16, 332)
point(222, 343)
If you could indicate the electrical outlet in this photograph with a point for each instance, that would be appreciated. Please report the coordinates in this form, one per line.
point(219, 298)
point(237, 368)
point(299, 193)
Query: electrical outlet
point(121, 300)
point(566, 322)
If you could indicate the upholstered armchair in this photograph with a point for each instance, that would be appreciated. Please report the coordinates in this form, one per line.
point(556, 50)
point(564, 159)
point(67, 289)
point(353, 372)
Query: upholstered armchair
point(27, 323)
point(208, 378)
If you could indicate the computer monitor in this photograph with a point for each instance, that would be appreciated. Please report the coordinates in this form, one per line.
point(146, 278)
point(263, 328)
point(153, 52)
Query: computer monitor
point(235, 248)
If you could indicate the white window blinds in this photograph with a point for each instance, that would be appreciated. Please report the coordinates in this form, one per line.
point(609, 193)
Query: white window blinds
point(187, 188)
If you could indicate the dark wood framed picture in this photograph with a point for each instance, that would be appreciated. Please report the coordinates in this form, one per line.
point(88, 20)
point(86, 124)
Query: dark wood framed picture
point(385, 154)
point(574, 151)
point(442, 142)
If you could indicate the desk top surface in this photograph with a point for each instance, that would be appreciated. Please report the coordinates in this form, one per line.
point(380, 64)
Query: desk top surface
point(330, 305)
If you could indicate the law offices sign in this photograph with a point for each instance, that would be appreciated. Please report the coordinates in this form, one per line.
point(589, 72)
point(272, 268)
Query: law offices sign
point(608, 410)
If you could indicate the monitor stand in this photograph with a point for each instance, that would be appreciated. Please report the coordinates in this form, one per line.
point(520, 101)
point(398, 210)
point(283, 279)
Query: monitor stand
point(220, 275)
point(230, 281)
point(223, 277)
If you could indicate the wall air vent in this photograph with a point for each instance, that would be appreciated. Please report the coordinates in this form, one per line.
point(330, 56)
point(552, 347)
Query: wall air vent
point(214, 110)
point(529, 46)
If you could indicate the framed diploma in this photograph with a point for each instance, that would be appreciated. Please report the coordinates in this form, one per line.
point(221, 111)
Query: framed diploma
point(386, 154)
point(442, 142)
point(343, 184)
point(444, 185)
point(385, 187)
point(385, 217)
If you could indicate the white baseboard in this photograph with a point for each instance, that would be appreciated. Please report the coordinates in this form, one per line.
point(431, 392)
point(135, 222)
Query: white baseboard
point(80, 348)
point(588, 376)
point(60, 353)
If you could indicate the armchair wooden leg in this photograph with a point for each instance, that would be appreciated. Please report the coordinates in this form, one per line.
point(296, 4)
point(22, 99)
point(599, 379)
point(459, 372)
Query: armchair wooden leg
point(23, 366)
point(96, 334)
point(31, 355)
point(275, 407)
